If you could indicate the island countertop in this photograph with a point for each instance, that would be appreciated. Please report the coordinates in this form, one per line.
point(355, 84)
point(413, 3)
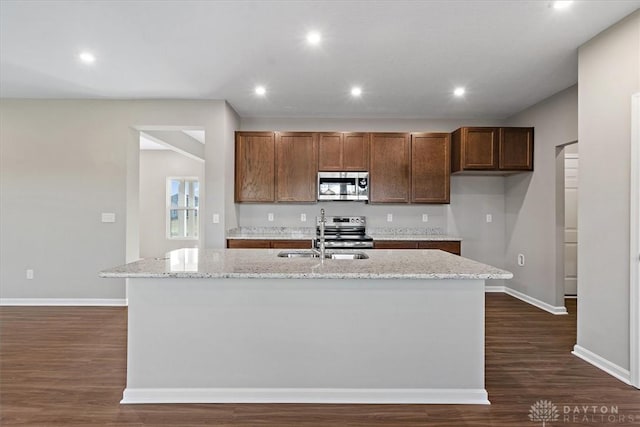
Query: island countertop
point(264, 263)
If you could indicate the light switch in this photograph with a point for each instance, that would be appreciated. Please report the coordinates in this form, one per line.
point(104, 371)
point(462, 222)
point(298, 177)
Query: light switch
point(389, 217)
point(216, 218)
point(425, 218)
point(29, 274)
point(489, 218)
point(108, 217)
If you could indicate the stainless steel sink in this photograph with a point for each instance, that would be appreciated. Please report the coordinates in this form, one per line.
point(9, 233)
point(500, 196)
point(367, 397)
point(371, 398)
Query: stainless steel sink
point(328, 255)
point(347, 255)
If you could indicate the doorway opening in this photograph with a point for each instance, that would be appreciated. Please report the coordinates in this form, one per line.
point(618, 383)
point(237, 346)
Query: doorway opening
point(570, 155)
point(166, 191)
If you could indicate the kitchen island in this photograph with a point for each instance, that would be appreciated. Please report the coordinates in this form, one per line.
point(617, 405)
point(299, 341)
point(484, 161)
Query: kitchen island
point(244, 325)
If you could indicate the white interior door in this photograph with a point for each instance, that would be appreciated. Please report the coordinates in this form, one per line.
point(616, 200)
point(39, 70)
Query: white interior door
point(571, 220)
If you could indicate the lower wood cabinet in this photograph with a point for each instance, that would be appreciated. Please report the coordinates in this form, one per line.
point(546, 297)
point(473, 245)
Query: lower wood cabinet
point(267, 244)
point(451, 246)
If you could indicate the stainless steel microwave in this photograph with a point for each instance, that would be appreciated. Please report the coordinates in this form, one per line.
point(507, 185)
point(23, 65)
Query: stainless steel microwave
point(343, 186)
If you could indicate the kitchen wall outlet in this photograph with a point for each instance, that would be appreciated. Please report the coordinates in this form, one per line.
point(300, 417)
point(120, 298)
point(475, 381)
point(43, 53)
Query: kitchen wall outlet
point(489, 218)
point(425, 218)
point(270, 217)
point(108, 217)
point(520, 260)
point(216, 218)
point(29, 274)
point(389, 217)
point(303, 217)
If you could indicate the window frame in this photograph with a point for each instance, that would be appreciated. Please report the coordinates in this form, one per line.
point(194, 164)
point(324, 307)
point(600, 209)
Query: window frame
point(169, 208)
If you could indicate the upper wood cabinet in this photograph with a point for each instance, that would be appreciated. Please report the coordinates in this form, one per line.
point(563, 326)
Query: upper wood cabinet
point(255, 167)
point(390, 168)
point(296, 166)
point(516, 149)
point(343, 151)
point(475, 149)
point(430, 167)
point(507, 149)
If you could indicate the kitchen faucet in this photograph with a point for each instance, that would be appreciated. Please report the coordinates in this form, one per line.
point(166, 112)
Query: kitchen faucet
point(322, 243)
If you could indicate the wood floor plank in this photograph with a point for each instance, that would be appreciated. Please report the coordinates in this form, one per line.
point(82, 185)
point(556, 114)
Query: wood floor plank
point(66, 366)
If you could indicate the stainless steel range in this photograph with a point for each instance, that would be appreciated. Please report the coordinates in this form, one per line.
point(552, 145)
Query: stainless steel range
point(344, 232)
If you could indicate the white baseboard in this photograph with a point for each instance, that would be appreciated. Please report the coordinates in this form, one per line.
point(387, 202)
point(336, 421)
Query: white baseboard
point(119, 302)
point(305, 395)
point(602, 363)
point(526, 298)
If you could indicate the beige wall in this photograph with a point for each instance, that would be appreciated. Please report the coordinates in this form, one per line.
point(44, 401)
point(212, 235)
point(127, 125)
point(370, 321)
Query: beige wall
point(530, 200)
point(155, 167)
point(608, 74)
point(63, 163)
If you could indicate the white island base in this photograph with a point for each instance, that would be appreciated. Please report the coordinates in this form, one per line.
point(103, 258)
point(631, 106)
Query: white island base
point(242, 340)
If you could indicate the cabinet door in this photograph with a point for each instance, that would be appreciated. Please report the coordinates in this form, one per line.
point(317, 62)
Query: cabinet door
point(389, 168)
point(296, 167)
point(479, 148)
point(395, 244)
point(516, 148)
point(330, 152)
point(430, 167)
point(255, 167)
point(248, 244)
point(355, 152)
point(447, 246)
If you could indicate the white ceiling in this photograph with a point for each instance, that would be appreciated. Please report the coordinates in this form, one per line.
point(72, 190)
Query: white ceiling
point(407, 55)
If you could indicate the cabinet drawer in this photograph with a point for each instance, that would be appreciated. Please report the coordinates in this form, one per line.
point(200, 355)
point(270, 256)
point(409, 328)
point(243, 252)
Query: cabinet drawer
point(395, 244)
point(291, 244)
point(444, 245)
point(447, 246)
point(267, 244)
point(248, 244)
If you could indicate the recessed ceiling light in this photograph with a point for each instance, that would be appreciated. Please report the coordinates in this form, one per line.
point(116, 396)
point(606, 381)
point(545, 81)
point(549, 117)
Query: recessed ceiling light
point(459, 91)
point(87, 57)
point(562, 4)
point(356, 91)
point(314, 38)
point(261, 90)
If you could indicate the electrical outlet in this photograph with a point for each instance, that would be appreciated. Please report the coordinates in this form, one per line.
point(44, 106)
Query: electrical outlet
point(425, 218)
point(521, 260)
point(216, 218)
point(303, 217)
point(270, 216)
point(108, 217)
point(389, 217)
point(489, 218)
point(29, 274)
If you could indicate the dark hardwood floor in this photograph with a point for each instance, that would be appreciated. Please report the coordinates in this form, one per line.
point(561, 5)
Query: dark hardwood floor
point(65, 366)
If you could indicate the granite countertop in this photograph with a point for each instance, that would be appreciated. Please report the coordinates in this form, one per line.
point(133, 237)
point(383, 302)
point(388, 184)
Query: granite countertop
point(272, 233)
point(308, 233)
point(264, 263)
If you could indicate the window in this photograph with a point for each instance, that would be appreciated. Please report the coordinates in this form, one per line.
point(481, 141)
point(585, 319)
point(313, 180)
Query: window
point(183, 199)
